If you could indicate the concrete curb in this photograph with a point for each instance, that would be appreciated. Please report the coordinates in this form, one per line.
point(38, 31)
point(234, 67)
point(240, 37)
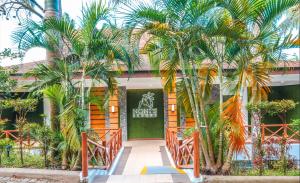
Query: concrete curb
point(252, 179)
point(56, 175)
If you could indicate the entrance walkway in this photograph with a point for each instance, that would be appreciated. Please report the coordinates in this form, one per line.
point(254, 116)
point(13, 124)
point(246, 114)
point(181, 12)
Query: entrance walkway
point(137, 156)
point(143, 153)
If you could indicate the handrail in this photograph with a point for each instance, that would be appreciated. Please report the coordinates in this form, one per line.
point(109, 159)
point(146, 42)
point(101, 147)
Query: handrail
point(106, 131)
point(282, 132)
point(267, 131)
point(184, 152)
point(102, 152)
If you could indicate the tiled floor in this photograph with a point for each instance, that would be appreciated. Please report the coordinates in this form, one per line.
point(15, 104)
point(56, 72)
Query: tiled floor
point(143, 153)
point(158, 178)
point(137, 155)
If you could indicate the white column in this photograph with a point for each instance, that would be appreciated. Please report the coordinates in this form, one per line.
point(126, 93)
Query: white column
point(47, 110)
point(88, 116)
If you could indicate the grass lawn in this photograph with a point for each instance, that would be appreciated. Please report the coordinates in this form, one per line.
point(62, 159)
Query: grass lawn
point(31, 160)
point(254, 172)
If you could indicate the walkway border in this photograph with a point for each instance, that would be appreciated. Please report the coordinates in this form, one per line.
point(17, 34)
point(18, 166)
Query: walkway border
point(57, 175)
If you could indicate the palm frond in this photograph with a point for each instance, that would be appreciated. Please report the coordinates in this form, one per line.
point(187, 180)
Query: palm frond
point(233, 117)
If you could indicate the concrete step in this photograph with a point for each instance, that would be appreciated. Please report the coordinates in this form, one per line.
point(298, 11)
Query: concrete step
point(153, 178)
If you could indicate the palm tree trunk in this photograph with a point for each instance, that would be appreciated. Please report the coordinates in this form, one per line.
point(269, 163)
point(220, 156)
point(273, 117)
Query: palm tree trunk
point(202, 109)
point(83, 95)
point(227, 164)
point(52, 9)
point(64, 159)
point(220, 145)
point(192, 102)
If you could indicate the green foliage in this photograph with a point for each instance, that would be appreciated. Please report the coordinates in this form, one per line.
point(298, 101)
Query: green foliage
point(3, 105)
point(44, 135)
point(273, 107)
point(188, 132)
point(6, 83)
point(255, 172)
point(22, 107)
point(31, 160)
point(8, 53)
point(296, 124)
point(5, 142)
point(90, 50)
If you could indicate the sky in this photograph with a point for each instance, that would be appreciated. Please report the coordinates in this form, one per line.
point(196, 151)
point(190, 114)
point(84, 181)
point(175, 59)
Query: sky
point(37, 54)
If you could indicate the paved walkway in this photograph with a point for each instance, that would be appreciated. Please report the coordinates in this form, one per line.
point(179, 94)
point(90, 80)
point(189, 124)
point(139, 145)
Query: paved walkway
point(143, 153)
point(138, 154)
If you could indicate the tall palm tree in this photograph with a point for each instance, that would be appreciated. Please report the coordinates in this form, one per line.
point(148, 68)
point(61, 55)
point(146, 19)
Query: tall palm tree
point(184, 34)
point(95, 48)
point(52, 10)
point(173, 26)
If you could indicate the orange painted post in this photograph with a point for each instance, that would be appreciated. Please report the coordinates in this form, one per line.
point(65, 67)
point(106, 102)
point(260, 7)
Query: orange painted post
point(6, 134)
point(110, 152)
point(84, 156)
point(105, 154)
point(285, 135)
point(196, 155)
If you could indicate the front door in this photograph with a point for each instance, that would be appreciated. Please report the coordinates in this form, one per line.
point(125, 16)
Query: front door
point(145, 114)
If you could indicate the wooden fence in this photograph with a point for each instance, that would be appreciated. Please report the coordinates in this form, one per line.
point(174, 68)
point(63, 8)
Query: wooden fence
point(184, 149)
point(279, 132)
point(100, 154)
point(25, 139)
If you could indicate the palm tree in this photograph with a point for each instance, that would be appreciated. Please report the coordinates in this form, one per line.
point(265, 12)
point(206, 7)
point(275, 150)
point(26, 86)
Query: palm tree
point(173, 26)
point(184, 34)
point(94, 48)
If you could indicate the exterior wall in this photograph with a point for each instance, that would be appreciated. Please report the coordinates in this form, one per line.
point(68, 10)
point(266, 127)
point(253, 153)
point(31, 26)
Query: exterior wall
point(172, 114)
point(113, 110)
point(97, 116)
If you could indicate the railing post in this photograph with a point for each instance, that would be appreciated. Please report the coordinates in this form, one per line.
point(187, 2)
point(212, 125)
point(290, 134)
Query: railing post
point(110, 154)
point(84, 157)
point(196, 154)
point(6, 134)
point(285, 135)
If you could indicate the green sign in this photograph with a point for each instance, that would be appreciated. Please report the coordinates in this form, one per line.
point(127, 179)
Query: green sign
point(145, 114)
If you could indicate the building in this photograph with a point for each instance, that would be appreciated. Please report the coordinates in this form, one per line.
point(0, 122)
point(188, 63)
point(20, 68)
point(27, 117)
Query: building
point(143, 110)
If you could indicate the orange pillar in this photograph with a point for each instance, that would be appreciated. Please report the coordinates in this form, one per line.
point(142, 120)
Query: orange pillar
point(84, 156)
point(196, 155)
